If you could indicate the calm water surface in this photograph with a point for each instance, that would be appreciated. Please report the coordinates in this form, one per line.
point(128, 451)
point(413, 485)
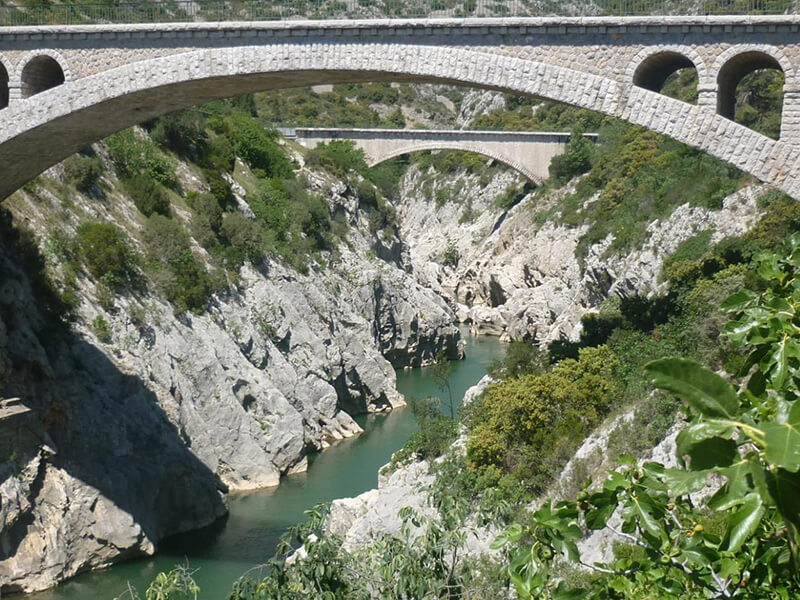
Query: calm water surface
point(247, 537)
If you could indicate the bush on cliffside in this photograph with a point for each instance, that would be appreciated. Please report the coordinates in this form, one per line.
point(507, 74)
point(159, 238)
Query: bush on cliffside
point(576, 160)
point(83, 172)
point(338, 156)
point(135, 154)
point(519, 423)
point(148, 195)
point(103, 249)
point(182, 278)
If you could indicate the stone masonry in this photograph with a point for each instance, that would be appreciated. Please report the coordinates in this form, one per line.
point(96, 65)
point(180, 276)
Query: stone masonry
point(117, 75)
point(530, 153)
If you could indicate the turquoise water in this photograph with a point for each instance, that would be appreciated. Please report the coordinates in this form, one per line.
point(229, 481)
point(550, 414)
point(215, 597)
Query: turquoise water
point(246, 538)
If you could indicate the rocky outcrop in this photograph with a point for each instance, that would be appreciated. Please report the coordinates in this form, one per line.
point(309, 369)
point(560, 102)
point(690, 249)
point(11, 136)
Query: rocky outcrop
point(410, 325)
point(519, 278)
point(363, 519)
point(97, 472)
point(157, 415)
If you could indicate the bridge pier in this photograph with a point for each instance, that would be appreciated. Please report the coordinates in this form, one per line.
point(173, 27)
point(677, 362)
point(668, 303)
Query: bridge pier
point(790, 118)
point(707, 98)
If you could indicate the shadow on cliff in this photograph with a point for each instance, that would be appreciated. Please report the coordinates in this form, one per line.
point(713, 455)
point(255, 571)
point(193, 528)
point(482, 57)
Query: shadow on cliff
point(112, 443)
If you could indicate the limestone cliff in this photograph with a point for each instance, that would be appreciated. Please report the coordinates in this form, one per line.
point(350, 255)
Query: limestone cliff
point(518, 277)
point(144, 418)
point(96, 471)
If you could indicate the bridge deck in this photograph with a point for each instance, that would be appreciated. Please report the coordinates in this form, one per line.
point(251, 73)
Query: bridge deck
point(463, 134)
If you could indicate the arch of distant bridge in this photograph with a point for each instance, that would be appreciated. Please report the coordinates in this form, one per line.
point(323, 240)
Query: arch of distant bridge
point(514, 163)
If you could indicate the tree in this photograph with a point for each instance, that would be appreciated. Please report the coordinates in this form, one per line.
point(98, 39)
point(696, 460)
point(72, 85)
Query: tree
point(441, 371)
point(576, 160)
point(743, 543)
point(106, 254)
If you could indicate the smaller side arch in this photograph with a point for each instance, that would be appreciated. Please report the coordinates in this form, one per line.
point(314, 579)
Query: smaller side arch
point(737, 61)
point(6, 79)
point(651, 67)
point(40, 70)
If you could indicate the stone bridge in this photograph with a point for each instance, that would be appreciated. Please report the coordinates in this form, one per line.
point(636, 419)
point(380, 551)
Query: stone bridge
point(66, 86)
point(529, 153)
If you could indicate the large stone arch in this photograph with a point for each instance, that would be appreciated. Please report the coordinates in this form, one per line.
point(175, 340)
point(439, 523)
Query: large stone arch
point(56, 123)
point(518, 165)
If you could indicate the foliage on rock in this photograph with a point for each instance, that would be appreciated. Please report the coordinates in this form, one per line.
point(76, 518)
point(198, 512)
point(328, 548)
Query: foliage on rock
point(746, 435)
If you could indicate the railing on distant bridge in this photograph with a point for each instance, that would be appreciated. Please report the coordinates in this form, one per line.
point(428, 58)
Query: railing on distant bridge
point(164, 11)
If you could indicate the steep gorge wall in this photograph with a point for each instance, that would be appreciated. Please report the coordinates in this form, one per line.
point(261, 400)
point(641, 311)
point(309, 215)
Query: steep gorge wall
point(99, 472)
point(146, 422)
point(517, 277)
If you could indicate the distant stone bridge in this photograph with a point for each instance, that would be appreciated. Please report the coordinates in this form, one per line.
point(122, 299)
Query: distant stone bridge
point(530, 153)
point(66, 86)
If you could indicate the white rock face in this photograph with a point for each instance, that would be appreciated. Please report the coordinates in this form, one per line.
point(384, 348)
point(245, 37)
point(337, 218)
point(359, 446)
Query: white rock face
point(171, 410)
point(517, 279)
point(375, 512)
point(361, 520)
point(96, 472)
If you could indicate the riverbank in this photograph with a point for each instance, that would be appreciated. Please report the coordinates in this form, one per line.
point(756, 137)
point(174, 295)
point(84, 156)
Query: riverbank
point(247, 537)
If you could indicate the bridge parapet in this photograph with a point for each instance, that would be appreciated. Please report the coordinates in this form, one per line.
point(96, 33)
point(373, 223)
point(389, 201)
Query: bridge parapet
point(170, 11)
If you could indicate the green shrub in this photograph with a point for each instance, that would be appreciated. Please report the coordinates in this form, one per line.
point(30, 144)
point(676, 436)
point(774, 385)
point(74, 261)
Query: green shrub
point(206, 219)
point(443, 196)
point(314, 215)
point(148, 195)
point(387, 174)
point(529, 425)
point(521, 358)
point(182, 278)
point(83, 172)
point(165, 239)
point(338, 156)
point(257, 145)
point(395, 120)
point(377, 93)
point(219, 154)
point(272, 207)
point(183, 132)
point(576, 159)
point(451, 255)
point(367, 195)
point(134, 154)
point(436, 432)
point(189, 287)
point(104, 251)
point(244, 235)
point(101, 329)
point(220, 188)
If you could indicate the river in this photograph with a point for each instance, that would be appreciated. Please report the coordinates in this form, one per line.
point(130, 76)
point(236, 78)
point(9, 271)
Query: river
point(221, 553)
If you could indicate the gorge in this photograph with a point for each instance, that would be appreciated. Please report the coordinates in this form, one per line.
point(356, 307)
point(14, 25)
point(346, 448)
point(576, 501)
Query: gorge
point(229, 352)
